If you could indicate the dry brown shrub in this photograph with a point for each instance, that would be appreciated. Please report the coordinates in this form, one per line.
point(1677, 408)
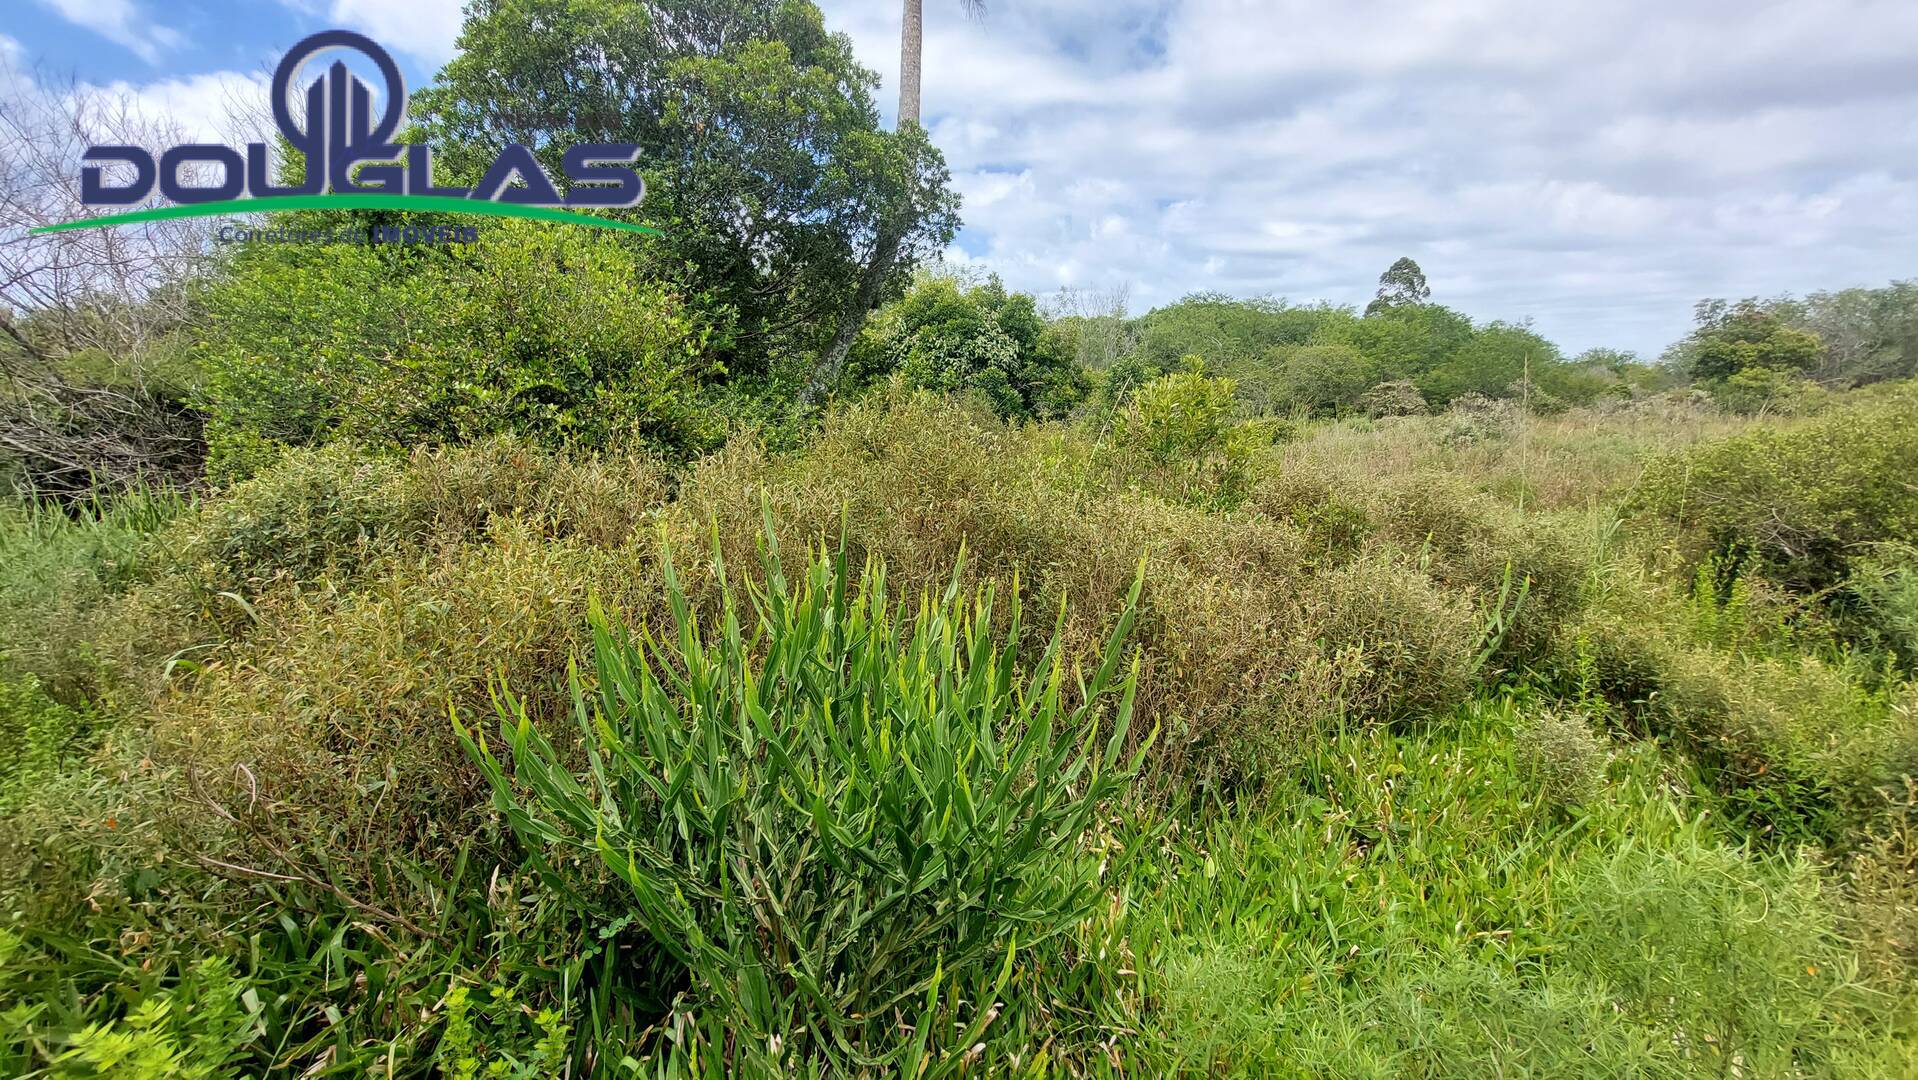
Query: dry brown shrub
point(325, 727)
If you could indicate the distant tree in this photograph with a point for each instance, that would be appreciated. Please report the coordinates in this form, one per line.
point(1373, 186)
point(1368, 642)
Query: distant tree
point(1228, 331)
point(1406, 342)
point(1400, 398)
point(1402, 284)
point(1493, 362)
point(1602, 372)
point(1733, 337)
point(1327, 378)
point(1869, 334)
point(1092, 324)
point(1601, 358)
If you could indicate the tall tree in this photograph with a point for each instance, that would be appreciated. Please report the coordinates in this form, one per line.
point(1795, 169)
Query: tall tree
point(912, 46)
point(1402, 284)
point(777, 190)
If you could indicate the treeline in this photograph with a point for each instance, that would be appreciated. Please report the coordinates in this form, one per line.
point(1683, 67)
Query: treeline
point(1406, 355)
point(791, 270)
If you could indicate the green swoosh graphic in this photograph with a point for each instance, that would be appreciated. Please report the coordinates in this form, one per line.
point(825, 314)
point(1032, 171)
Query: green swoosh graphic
point(348, 201)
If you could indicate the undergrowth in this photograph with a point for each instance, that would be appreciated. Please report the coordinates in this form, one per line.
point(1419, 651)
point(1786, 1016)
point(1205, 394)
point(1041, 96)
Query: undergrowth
point(1467, 761)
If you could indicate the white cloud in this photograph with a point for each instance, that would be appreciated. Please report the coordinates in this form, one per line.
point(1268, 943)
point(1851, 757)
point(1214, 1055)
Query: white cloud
point(121, 22)
point(425, 28)
point(221, 106)
point(1595, 166)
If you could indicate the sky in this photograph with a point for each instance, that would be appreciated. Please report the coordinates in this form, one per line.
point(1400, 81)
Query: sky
point(1592, 167)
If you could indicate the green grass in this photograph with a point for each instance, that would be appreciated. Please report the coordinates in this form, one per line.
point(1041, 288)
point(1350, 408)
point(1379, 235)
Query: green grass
point(1410, 904)
point(57, 569)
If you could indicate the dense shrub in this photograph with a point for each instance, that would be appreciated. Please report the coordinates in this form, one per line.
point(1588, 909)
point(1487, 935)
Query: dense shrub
point(1759, 390)
point(317, 510)
point(1800, 749)
point(979, 340)
point(1382, 879)
point(1556, 750)
point(1249, 641)
point(59, 572)
point(547, 334)
point(1804, 498)
point(330, 743)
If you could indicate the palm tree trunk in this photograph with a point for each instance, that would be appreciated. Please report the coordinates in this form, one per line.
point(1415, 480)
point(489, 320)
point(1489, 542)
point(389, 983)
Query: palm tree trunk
point(885, 248)
point(912, 43)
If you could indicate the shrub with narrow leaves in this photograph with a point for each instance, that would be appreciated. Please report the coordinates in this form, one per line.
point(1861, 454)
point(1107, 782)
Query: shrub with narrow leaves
point(825, 807)
point(1558, 754)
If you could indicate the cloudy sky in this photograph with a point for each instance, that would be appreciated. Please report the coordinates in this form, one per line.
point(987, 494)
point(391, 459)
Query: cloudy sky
point(1592, 166)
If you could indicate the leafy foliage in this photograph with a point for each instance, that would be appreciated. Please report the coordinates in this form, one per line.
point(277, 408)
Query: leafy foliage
point(545, 333)
point(819, 813)
point(978, 340)
point(766, 166)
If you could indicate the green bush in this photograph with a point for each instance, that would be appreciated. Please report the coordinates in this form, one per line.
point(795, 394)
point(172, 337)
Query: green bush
point(1798, 748)
point(325, 719)
point(548, 334)
point(37, 735)
point(1805, 499)
point(1178, 433)
point(316, 512)
point(981, 341)
point(1183, 413)
point(1759, 390)
point(61, 571)
point(1557, 751)
point(822, 815)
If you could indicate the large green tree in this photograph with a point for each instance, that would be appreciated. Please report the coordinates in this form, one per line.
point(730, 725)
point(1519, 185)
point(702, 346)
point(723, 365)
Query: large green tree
point(785, 207)
point(1733, 337)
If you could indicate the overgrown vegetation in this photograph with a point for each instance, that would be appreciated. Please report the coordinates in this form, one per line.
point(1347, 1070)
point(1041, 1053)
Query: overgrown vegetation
point(1405, 729)
point(612, 657)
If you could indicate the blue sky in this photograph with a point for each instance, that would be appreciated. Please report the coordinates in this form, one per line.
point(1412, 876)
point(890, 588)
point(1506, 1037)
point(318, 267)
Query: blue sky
point(1593, 167)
